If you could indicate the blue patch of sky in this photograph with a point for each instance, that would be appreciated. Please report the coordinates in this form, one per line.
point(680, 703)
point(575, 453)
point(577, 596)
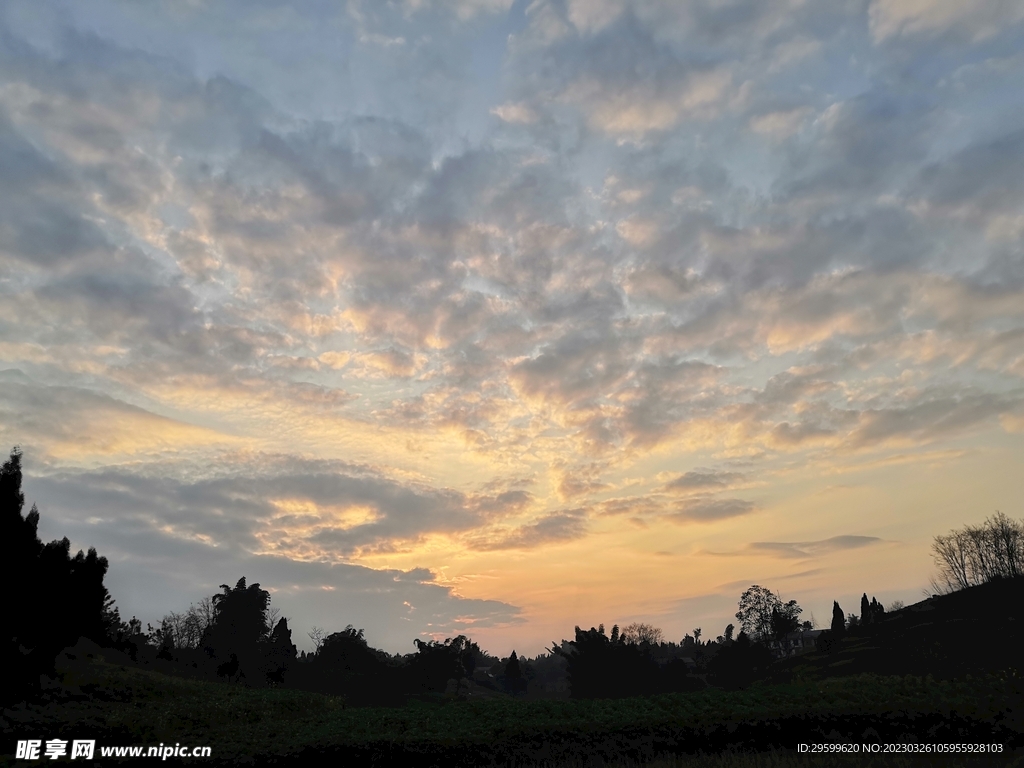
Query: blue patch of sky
point(485, 53)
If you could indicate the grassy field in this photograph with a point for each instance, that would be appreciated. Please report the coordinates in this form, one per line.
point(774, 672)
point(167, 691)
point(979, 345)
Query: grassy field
point(123, 705)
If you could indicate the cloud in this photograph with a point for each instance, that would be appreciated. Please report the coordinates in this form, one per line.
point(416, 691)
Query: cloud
point(287, 524)
point(393, 606)
point(38, 222)
point(74, 423)
point(122, 301)
point(280, 505)
point(663, 282)
point(580, 364)
point(1012, 423)
point(861, 144)
point(930, 418)
point(515, 113)
point(976, 22)
point(780, 124)
point(580, 480)
point(617, 72)
point(703, 480)
point(635, 111)
point(550, 529)
point(700, 507)
point(476, 274)
point(711, 509)
point(812, 548)
point(975, 189)
point(744, 583)
point(804, 549)
point(467, 9)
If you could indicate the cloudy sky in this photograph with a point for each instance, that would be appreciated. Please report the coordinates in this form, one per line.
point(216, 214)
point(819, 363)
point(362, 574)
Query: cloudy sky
point(495, 317)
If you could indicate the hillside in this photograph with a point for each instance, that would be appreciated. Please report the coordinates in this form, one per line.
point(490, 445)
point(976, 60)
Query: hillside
point(973, 631)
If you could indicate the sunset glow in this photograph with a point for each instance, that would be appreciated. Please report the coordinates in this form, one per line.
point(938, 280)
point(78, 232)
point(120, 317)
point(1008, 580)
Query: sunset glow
point(494, 318)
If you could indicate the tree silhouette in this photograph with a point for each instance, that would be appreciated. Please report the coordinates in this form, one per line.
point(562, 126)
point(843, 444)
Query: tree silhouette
point(974, 555)
point(739, 663)
point(639, 634)
point(317, 635)
point(239, 630)
point(347, 649)
point(785, 619)
point(437, 662)
point(281, 652)
point(54, 597)
point(465, 652)
point(763, 615)
point(838, 627)
point(877, 610)
point(514, 680)
point(344, 663)
point(185, 631)
point(596, 667)
point(870, 611)
point(828, 641)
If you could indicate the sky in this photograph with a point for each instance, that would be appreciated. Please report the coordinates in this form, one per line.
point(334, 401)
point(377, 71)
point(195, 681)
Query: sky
point(483, 317)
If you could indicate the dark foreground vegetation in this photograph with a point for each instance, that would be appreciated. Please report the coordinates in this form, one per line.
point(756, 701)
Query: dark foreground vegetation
point(119, 703)
point(225, 673)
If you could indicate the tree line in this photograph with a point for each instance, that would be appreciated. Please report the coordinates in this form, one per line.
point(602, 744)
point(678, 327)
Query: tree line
point(237, 636)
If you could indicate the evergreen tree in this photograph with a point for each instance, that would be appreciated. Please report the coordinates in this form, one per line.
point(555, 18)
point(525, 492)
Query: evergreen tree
point(865, 610)
point(514, 675)
point(281, 652)
point(877, 611)
point(53, 598)
point(838, 620)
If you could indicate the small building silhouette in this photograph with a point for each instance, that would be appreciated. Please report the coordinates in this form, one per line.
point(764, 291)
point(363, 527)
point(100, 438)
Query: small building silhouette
point(794, 643)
